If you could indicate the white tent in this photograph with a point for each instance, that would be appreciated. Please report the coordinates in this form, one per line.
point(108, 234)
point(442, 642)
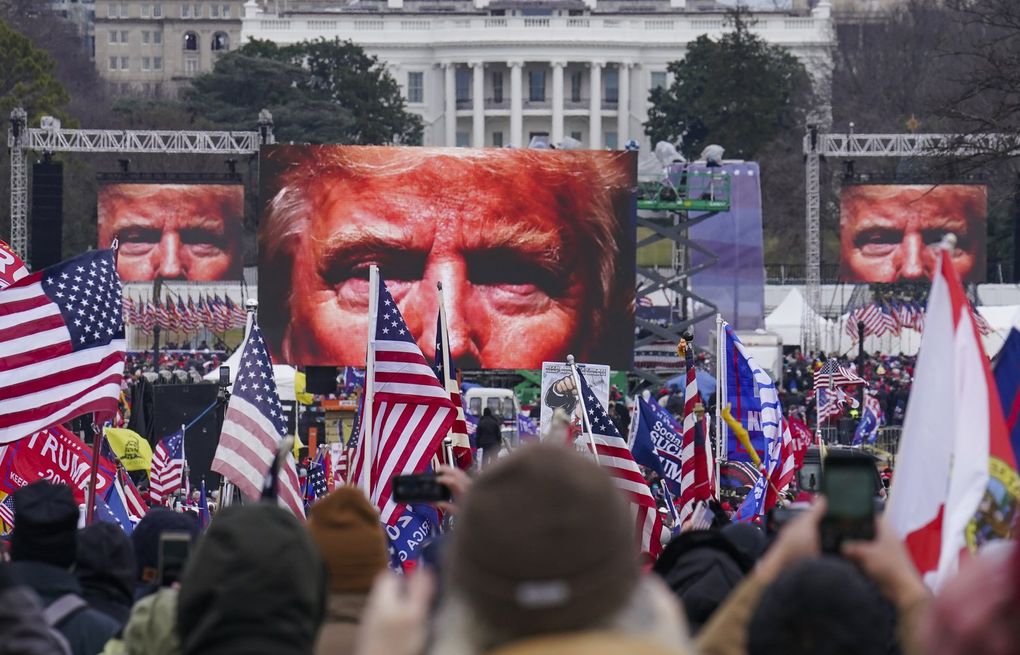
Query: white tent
point(283, 374)
point(787, 320)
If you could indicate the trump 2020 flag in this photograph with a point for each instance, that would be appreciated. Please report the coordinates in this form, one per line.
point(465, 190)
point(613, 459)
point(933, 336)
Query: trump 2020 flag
point(956, 481)
point(62, 345)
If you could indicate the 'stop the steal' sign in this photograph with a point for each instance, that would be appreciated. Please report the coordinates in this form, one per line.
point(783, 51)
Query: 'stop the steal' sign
point(56, 455)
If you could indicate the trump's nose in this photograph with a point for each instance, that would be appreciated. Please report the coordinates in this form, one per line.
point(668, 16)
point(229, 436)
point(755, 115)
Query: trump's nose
point(912, 254)
point(170, 266)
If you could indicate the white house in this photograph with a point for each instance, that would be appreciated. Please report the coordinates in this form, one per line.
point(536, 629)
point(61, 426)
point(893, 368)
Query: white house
point(499, 72)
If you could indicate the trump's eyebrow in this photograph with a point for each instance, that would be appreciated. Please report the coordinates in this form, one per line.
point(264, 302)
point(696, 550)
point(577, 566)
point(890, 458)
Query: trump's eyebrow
point(541, 245)
point(373, 239)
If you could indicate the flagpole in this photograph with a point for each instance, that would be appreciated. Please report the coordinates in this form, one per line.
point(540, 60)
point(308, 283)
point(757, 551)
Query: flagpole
point(720, 389)
point(97, 440)
point(185, 480)
point(584, 411)
point(445, 340)
point(366, 419)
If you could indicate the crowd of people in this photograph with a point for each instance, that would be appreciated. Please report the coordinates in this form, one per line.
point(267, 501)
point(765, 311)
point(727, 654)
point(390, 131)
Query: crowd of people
point(889, 377)
point(540, 558)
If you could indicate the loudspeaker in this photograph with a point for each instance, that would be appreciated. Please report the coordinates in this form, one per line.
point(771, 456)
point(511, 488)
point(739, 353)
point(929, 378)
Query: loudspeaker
point(321, 379)
point(180, 404)
point(47, 214)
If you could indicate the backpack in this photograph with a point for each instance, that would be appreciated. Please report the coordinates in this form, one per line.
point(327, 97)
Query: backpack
point(59, 611)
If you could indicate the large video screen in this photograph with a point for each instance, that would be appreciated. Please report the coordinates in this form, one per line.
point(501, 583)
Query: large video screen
point(174, 231)
point(534, 248)
point(890, 232)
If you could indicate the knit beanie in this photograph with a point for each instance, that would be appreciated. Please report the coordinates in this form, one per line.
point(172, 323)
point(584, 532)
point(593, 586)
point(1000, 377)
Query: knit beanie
point(346, 530)
point(145, 538)
point(544, 543)
point(46, 524)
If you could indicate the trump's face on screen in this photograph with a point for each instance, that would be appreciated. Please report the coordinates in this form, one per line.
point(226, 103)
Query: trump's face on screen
point(174, 231)
point(534, 250)
point(890, 233)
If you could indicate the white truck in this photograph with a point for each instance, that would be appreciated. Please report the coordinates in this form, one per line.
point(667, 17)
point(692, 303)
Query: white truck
point(503, 404)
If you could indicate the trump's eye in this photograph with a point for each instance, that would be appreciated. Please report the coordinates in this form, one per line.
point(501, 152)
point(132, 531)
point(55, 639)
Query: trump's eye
point(933, 238)
point(349, 274)
point(515, 274)
point(203, 243)
point(138, 241)
point(878, 242)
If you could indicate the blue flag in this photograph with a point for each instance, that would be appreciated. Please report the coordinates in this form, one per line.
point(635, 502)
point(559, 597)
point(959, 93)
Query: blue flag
point(658, 443)
point(754, 401)
point(113, 509)
point(871, 418)
point(413, 529)
point(203, 508)
point(744, 398)
point(1007, 378)
point(526, 426)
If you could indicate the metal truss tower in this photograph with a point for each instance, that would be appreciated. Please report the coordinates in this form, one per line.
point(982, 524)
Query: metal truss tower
point(52, 138)
point(818, 145)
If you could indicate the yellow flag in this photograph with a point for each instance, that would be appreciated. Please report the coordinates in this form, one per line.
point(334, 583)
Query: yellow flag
point(131, 448)
point(300, 394)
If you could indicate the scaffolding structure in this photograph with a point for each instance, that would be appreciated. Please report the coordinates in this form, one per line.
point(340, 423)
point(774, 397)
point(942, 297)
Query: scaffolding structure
point(668, 209)
point(51, 138)
point(818, 145)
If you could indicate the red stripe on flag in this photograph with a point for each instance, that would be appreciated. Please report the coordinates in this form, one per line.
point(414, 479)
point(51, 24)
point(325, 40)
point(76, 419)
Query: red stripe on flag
point(36, 413)
point(61, 377)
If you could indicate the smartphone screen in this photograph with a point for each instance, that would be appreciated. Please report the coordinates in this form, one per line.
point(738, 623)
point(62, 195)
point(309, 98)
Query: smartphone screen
point(849, 488)
point(174, 548)
point(422, 488)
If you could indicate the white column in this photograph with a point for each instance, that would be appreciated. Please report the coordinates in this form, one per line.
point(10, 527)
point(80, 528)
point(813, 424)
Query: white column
point(450, 105)
point(595, 106)
point(557, 101)
point(623, 106)
point(516, 104)
point(478, 104)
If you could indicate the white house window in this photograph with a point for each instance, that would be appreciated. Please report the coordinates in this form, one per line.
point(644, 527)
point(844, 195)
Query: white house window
point(112, 64)
point(157, 11)
point(157, 63)
point(190, 65)
point(220, 41)
point(658, 79)
point(190, 41)
point(416, 87)
point(145, 36)
point(146, 63)
point(125, 63)
point(157, 38)
point(185, 11)
point(146, 11)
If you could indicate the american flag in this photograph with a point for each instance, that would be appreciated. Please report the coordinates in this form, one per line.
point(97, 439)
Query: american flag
point(411, 411)
point(253, 426)
point(447, 372)
point(694, 467)
point(133, 500)
point(62, 345)
point(167, 473)
point(238, 315)
point(316, 486)
point(147, 316)
point(832, 373)
point(615, 457)
point(7, 510)
point(828, 385)
point(204, 313)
